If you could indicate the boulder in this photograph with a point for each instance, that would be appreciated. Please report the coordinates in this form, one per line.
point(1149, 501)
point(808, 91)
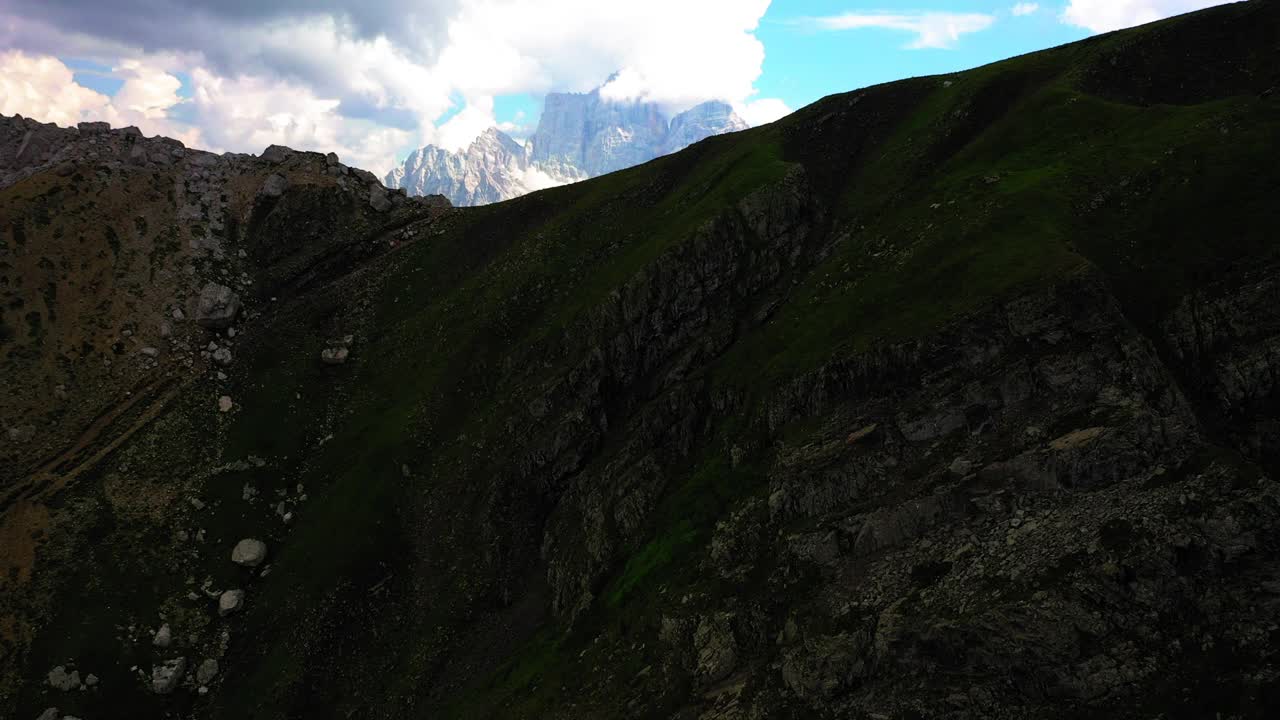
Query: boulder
point(60, 679)
point(166, 676)
point(378, 199)
point(163, 637)
point(207, 671)
point(275, 186)
point(230, 601)
point(277, 153)
point(334, 355)
point(93, 128)
point(217, 306)
point(249, 552)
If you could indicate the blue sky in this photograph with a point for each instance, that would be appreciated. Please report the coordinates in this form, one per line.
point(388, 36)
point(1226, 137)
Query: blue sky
point(803, 64)
point(374, 80)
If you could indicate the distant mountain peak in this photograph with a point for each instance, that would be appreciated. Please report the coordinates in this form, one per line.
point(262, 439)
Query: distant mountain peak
point(579, 135)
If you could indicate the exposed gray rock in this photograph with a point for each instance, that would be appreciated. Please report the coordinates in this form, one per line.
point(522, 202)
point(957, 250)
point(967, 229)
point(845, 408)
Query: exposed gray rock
point(163, 637)
point(277, 154)
point(334, 355)
point(49, 714)
point(207, 671)
point(166, 676)
point(249, 552)
point(60, 679)
point(217, 306)
point(225, 404)
point(715, 648)
point(274, 186)
point(230, 601)
point(222, 356)
point(378, 198)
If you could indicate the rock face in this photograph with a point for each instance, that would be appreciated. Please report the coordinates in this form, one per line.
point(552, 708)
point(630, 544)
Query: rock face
point(217, 306)
point(249, 552)
point(493, 168)
point(580, 135)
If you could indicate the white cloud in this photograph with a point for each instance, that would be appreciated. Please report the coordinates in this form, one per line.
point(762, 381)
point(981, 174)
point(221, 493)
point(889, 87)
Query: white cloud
point(1025, 8)
point(247, 114)
point(1106, 15)
point(761, 111)
point(932, 29)
point(373, 81)
point(44, 88)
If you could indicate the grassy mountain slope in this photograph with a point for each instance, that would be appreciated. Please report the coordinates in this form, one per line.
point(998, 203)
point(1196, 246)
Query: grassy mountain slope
point(746, 431)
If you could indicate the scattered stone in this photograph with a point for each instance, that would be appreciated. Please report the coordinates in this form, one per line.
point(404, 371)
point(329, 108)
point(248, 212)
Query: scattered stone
point(166, 676)
point(197, 504)
point(60, 392)
point(224, 404)
point(179, 315)
point(230, 601)
point(207, 671)
point(49, 714)
point(93, 128)
point(331, 159)
point(249, 552)
point(334, 355)
point(961, 466)
point(222, 356)
point(150, 352)
point(163, 637)
point(166, 329)
point(91, 680)
point(217, 306)
point(62, 680)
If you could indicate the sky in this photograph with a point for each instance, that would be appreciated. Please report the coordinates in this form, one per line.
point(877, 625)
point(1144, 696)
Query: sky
point(374, 80)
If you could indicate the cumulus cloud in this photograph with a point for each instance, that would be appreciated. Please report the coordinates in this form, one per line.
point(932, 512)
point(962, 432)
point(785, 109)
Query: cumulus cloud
point(932, 29)
point(1106, 15)
point(764, 110)
point(1025, 8)
point(44, 88)
point(402, 71)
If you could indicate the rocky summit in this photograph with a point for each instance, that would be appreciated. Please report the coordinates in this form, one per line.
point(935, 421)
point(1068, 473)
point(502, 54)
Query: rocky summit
point(954, 397)
point(580, 135)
